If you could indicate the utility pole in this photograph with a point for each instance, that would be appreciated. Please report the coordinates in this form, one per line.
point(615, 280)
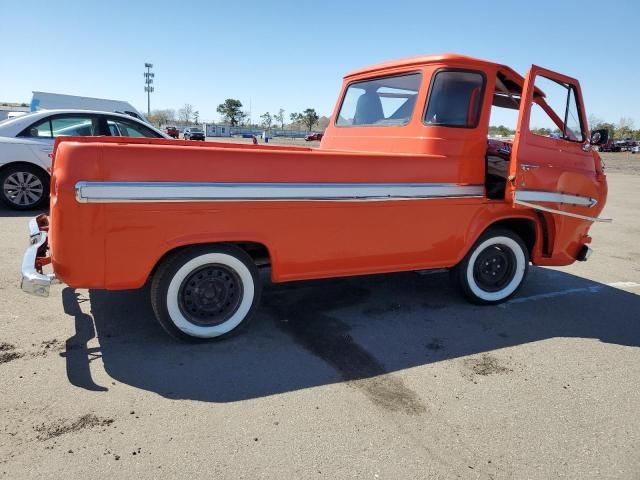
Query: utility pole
point(148, 85)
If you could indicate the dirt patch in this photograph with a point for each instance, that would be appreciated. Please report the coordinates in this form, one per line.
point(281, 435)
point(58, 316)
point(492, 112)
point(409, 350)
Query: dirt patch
point(8, 353)
point(48, 346)
point(390, 393)
point(5, 347)
point(486, 365)
point(62, 427)
point(52, 344)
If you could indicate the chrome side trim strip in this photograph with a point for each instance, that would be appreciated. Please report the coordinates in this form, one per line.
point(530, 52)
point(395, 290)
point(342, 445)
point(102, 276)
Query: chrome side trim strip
point(555, 197)
point(560, 212)
point(115, 192)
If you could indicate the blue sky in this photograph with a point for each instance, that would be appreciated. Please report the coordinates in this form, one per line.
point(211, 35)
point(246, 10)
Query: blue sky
point(293, 54)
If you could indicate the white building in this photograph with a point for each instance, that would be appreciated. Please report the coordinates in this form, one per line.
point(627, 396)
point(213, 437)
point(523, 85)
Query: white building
point(213, 130)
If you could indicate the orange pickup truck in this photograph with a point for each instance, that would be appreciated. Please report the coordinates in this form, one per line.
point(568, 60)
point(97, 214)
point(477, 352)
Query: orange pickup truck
point(405, 179)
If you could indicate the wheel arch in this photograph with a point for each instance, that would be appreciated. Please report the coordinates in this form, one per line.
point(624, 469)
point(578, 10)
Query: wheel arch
point(258, 251)
point(531, 228)
point(524, 227)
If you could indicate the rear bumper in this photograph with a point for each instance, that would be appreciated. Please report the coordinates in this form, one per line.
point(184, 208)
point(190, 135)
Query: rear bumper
point(33, 280)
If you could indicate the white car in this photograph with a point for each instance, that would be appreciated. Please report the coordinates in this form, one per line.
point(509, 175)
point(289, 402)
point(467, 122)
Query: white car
point(26, 145)
point(636, 148)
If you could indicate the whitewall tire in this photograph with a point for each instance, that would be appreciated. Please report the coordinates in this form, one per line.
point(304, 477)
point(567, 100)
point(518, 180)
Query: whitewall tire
point(205, 292)
point(495, 267)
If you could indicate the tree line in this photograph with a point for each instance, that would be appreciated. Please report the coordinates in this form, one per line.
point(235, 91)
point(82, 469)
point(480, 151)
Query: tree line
point(231, 112)
point(621, 130)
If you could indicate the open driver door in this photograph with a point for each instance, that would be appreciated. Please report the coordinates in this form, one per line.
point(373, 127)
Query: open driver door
point(552, 167)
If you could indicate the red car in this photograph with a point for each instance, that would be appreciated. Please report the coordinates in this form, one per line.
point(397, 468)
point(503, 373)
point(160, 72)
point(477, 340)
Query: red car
point(171, 131)
point(313, 137)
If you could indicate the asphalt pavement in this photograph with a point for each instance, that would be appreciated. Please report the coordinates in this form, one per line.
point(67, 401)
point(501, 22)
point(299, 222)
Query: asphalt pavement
point(388, 376)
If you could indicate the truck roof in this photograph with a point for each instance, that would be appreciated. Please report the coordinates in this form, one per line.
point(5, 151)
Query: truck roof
point(421, 60)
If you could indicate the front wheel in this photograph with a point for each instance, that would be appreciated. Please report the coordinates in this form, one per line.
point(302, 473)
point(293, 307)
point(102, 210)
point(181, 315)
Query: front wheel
point(205, 292)
point(494, 268)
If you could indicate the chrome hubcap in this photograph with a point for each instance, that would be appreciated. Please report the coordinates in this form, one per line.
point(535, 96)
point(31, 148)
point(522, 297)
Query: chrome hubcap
point(23, 189)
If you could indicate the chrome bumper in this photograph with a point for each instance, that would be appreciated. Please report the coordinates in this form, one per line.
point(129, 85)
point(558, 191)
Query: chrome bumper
point(33, 281)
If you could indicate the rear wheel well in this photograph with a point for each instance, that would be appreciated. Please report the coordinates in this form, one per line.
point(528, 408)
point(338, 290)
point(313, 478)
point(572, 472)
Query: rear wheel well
point(525, 228)
point(258, 252)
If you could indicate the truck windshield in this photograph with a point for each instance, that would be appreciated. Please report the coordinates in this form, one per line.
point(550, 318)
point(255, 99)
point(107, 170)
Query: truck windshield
point(382, 101)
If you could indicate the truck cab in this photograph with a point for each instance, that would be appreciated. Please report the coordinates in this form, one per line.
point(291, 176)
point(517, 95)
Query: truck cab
point(405, 179)
point(441, 105)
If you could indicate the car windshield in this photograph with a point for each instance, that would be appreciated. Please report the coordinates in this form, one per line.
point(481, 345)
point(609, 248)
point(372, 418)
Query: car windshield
point(380, 101)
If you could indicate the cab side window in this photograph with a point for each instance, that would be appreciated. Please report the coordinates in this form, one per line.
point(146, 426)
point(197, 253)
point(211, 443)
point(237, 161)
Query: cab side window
point(554, 111)
point(380, 102)
point(455, 99)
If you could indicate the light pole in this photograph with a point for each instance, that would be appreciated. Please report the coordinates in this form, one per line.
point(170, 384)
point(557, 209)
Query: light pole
point(148, 85)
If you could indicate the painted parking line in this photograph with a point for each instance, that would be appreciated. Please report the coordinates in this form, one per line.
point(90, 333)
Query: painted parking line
point(571, 291)
point(624, 285)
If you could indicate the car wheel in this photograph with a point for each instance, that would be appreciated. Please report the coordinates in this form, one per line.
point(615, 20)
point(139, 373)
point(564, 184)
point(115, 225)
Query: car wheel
point(494, 269)
point(24, 187)
point(205, 292)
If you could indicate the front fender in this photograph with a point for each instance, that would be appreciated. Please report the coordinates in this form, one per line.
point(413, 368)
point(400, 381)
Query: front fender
point(501, 214)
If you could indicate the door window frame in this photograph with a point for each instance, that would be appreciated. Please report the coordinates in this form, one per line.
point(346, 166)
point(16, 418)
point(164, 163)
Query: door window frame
point(570, 87)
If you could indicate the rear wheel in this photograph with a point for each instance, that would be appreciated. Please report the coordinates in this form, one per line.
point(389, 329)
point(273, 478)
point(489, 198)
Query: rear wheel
point(205, 292)
point(494, 268)
point(24, 187)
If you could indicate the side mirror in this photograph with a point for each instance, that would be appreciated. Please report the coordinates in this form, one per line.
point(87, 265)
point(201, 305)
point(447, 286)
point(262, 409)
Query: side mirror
point(599, 137)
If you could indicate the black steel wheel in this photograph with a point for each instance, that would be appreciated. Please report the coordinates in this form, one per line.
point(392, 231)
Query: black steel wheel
point(494, 268)
point(210, 295)
point(205, 292)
